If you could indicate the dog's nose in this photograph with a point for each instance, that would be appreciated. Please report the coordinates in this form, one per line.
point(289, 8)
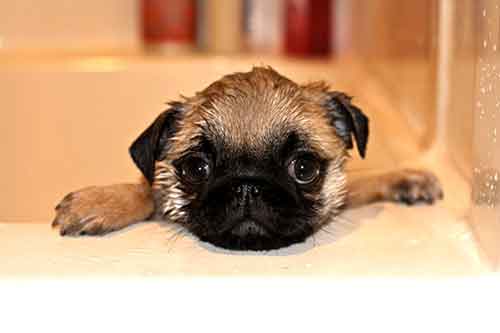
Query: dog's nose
point(246, 192)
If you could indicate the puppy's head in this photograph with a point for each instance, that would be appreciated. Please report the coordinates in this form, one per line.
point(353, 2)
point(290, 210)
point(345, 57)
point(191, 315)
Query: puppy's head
point(254, 161)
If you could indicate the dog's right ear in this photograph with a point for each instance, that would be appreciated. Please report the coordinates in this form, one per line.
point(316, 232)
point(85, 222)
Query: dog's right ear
point(152, 144)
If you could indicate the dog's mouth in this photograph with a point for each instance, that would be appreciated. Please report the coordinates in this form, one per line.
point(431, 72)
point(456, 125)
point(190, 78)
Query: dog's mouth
point(251, 235)
point(249, 228)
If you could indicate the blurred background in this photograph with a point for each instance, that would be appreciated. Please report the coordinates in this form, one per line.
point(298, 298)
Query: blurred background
point(79, 80)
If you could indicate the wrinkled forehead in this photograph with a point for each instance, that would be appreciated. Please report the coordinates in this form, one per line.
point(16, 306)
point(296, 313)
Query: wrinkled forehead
point(266, 122)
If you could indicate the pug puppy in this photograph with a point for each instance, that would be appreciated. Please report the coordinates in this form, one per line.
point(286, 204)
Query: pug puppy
point(253, 162)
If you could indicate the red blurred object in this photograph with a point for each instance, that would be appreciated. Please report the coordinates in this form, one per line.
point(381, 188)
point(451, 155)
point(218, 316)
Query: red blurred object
point(308, 25)
point(169, 21)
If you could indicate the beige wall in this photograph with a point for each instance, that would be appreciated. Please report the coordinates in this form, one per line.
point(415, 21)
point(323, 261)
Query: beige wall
point(397, 40)
point(387, 28)
point(32, 25)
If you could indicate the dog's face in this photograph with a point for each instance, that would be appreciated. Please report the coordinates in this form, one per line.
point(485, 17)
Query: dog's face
point(255, 161)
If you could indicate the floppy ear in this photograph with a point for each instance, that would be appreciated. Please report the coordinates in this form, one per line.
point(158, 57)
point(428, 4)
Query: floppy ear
point(152, 144)
point(348, 120)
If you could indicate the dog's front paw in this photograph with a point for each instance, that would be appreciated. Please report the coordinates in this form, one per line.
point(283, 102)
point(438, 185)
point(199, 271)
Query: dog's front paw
point(85, 212)
point(414, 186)
point(99, 210)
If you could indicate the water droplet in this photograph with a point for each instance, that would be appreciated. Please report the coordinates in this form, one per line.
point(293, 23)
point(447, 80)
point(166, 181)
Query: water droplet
point(494, 47)
point(484, 12)
point(485, 43)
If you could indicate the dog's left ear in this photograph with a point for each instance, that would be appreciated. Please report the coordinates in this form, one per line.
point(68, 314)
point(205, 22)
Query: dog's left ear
point(348, 120)
point(153, 143)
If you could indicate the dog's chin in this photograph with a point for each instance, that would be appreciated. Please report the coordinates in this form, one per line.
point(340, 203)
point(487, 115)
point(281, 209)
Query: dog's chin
point(259, 240)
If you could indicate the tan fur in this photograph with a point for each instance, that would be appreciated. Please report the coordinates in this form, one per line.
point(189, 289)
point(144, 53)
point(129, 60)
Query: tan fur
point(246, 110)
point(249, 107)
point(406, 185)
point(101, 209)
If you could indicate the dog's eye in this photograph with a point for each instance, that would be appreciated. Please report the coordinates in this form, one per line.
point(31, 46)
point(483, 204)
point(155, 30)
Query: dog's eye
point(195, 169)
point(304, 170)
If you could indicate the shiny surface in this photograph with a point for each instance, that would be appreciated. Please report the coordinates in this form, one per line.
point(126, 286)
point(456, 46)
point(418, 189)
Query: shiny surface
point(486, 124)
